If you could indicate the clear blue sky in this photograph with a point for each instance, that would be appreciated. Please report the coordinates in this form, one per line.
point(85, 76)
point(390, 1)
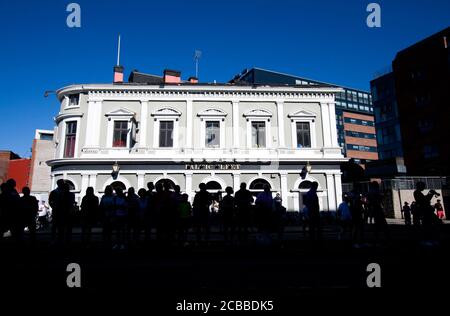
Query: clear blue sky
point(321, 39)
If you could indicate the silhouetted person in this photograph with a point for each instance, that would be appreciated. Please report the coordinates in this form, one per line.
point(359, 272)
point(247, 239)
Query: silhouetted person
point(29, 207)
point(133, 230)
point(375, 204)
point(406, 211)
point(4, 220)
point(243, 199)
point(120, 218)
point(312, 203)
point(150, 213)
point(184, 218)
point(228, 213)
point(279, 216)
point(423, 203)
point(175, 200)
point(202, 201)
point(344, 217)
point(439, 209)
point(59, 212)
point(107, 214)
point(10, 208)
point(357, 213)
point(89, 214)
point(416, 214)
point(264, 206)
point(140, 216)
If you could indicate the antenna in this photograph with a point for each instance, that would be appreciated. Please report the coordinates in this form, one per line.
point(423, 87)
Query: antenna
point(197, 55)
point(118, 52)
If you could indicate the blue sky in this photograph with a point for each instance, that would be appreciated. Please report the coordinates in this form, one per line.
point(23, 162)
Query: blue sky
point(322, 39)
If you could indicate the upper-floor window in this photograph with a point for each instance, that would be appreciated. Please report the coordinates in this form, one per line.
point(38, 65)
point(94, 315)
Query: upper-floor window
point(70, 139)
point(212, 134)
point(166, 133)
point(120, 134)
point(259, 134)
point(303, 134)
point(74, 99)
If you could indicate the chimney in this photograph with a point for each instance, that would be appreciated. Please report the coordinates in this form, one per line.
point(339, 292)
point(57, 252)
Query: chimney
point(193, 79)
point(118, 74)
point(172, 76)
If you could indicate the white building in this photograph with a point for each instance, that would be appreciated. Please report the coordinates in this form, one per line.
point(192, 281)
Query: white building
point(188, 132)
point(43, 150)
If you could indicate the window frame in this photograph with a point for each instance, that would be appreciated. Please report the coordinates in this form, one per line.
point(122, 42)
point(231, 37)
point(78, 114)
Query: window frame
point(212, 115)
point(259, 115)
point(165, 114)
point(120, 114)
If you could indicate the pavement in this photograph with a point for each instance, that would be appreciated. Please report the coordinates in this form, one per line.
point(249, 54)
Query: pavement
point(288, 272)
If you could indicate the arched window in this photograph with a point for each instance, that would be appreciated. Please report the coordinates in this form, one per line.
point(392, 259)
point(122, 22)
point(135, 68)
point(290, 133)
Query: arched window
point(70, 184)
point(258, 184)
point(118, 184)
point(305, 185)
point(213, 185)
point(168, 181)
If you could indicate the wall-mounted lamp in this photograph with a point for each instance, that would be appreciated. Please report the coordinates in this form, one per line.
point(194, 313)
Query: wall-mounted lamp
point(115, 169)
point(308, 167)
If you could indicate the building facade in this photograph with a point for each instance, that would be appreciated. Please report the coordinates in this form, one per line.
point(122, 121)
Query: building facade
point(422, 81)
point(42, 151)
point(189, 133)
point(354, 112)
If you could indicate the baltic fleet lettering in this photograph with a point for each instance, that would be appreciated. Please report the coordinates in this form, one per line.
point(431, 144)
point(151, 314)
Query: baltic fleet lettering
point(212, 166)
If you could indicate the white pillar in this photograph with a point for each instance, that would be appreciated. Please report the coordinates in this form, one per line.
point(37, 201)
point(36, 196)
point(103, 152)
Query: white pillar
point(326, 130)
point(140, 180)
point(280, 119)
point(93, 181)
point(236, 182)
point(333, 126)
point(53, 185)
point(188, 185)
point(284, 189)
point(338, 185)
point(189, 121)
point(235, 124)
point(143, 125)
point(331, 193)
point(84, 184)
point(93, 124)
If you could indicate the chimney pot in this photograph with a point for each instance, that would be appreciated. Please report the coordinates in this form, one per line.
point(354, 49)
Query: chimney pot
point(193, 79)
point(118, 74)
point(172, 76)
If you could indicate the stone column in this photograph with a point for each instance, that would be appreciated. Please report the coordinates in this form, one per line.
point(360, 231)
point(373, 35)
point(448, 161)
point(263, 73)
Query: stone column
point(84, 184)
point(326, 130)
point(331, 192)
point(235, 124)
point(236, 182)
point(338, 185)
point(189, 124)
point(188, 185)
point(284, 189)
point(143, 126)
point(333, 126)
point(141, 180)
point(280, 119)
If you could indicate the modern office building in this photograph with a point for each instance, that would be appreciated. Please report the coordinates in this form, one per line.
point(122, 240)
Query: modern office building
point(387, 121)
point(422, 88)
point(354, 111)
point(157, 128)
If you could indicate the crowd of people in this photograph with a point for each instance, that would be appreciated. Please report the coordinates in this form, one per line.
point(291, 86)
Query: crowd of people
point(165, 214)
point(160, 212)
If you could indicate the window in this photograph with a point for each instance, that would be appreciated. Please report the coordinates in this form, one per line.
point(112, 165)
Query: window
point(74, 99)
point(212, 134)
point(303, 134)
point(258, 134)
point(71, 134)
point(120, 134)
point(166, 134)
point(259, 184)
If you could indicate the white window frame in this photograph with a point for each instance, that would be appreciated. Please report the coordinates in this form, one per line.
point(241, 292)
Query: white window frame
point(166, 114)
point(62, 143)
point(214, 115)
point(67, 99)
point(121, 114)
point(303, 117)
point(259, 115)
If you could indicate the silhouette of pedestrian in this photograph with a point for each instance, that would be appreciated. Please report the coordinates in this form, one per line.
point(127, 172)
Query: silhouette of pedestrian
point(344, 217)
point(120, 219)
point(184, 218)
point(264, 206)
point(201, 204)
point(133, 230)
point(439, 209)
point(11, 213)
point(150, 213)
point(140, 216)
point(56, 201)
point(107, 214)
point(406, 211)
point(228, 214)
point(243, 199)
point(375, 204)
point(312, 203)
point(29, 209)
point(424, 207)
point(89, 214)
point(357, 213)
